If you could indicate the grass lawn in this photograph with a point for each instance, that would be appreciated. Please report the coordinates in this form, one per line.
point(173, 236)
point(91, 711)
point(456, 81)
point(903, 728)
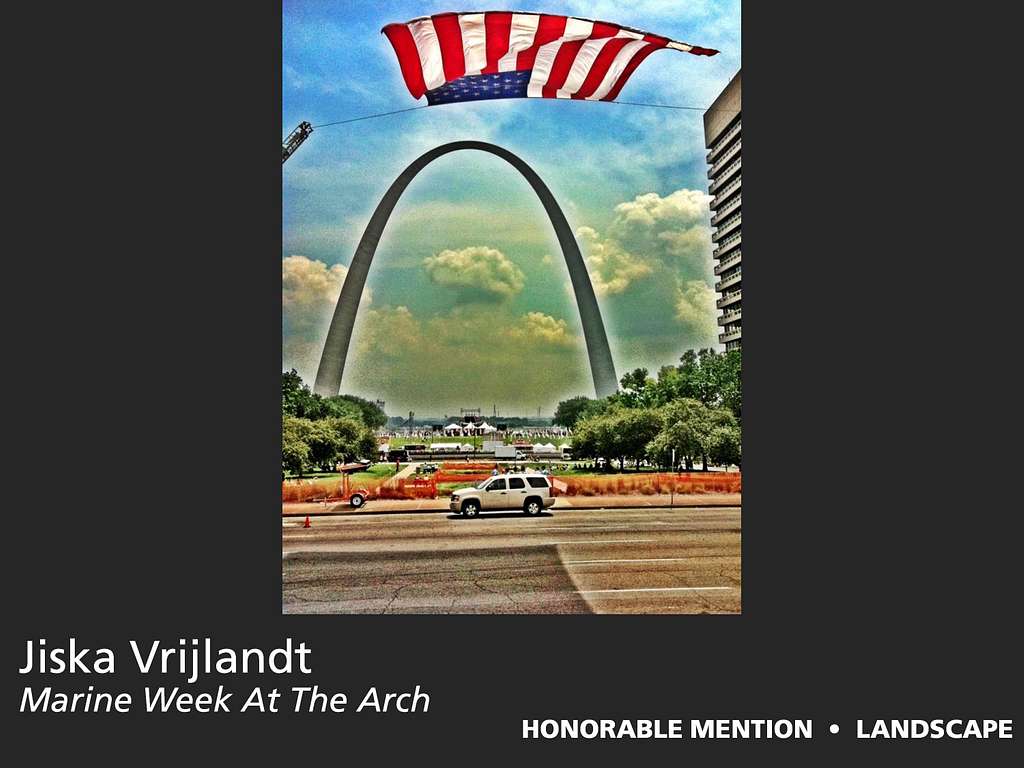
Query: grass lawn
point(378, 471)
point(475, 440)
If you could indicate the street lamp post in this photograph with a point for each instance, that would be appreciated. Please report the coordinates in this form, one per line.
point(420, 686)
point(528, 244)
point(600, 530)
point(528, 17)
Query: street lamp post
point(672, 474)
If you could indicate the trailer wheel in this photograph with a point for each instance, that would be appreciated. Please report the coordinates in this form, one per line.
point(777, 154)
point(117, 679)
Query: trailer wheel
point(356, 500)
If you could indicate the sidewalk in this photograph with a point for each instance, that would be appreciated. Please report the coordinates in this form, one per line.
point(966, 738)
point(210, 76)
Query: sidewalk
point(388, 506)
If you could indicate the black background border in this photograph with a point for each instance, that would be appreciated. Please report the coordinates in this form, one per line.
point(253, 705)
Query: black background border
point(878, 562)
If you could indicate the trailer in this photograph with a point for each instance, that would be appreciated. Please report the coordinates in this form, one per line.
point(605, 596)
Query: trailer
point(356, 497)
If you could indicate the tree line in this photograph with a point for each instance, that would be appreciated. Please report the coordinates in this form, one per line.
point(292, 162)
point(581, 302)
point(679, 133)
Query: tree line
point(318, 432)
point(693, 408)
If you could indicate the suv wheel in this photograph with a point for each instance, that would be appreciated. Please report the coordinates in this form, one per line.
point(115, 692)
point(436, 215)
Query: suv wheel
point(470, 509)
point(533, 507)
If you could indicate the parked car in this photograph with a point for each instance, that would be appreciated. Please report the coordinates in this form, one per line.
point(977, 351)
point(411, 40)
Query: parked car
point(529, 492)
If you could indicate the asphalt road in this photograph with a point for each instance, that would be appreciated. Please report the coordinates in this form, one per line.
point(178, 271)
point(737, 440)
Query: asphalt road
point(635, 560)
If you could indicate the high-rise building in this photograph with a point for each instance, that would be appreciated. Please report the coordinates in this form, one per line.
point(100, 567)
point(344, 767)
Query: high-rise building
point(722, 138)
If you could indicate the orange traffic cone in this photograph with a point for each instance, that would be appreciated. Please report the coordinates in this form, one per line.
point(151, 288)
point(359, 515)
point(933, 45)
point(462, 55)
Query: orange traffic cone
point(306, 524)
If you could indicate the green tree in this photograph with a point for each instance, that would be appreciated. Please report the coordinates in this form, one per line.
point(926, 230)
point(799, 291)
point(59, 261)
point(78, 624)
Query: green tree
point(372, 416)
point(636, 389)
point(726, 445)
point(338, 407)
point(713, 378)
point(632, 430)
point(294, 445)
point(323, 444)
point(297, 400)
point(353, 439)
point(571, 411)
point(593, 438)
point(620, 433)
point(695, 431)
point(685, 427)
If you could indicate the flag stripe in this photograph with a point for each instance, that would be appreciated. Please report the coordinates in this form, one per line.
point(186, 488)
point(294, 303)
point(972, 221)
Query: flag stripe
point(408, 58)
point(499, 26)
point(554, 60)
point(430, 52)
point(602, 63)
point(583, 65)
point(549, 29)
point(653, 44)
point(474, 41)
point(550, 56)
point(560, 67)
point(524, 29)
point(449, 37)
point(618, 65)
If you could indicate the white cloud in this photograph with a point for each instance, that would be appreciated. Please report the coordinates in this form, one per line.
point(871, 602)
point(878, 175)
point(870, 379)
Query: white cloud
point(478, 270)
point(539, 327)
point(447, 360)
point(650, 233)
point(612, 269)
point(309, 293)
point(695, 310)
point(684, 207)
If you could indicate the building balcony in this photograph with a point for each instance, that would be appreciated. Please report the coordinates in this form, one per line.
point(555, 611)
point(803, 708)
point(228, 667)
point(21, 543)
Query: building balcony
point(726, 194)
point(724, 160)
point(731, 243)
point(729, 261)
point(730, 317)
point(726, 209)
point(722, 142)
point(730, 298)
point(733, 335)
point(727, 282)
point(727, 175)
point(727, 228)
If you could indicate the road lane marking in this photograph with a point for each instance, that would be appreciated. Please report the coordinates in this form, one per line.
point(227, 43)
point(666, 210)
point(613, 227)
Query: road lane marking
point(598, 541)
point(651, 589)
point(629, 560)
point(624, 527)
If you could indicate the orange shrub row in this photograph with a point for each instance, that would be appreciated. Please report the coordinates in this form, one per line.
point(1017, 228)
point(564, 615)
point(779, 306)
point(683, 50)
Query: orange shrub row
point(610, 485)
point(331, 490)
point(468, 465)
point(470, 478)
point(650, 484)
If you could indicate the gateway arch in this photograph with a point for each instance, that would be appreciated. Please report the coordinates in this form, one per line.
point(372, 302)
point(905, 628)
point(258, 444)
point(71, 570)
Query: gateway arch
point(332, 361)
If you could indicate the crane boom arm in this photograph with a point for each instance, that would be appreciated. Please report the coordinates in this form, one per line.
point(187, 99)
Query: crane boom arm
point(295, 139)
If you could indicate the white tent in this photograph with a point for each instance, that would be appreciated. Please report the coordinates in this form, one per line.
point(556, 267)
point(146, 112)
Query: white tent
point(485, 427)
point(453, 427)
point(467, 447)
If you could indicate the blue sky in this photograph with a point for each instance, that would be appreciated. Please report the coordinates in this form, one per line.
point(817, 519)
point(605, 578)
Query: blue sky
point(631, 180)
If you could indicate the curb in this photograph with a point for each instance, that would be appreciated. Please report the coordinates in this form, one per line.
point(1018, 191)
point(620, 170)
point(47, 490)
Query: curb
point(367, 509)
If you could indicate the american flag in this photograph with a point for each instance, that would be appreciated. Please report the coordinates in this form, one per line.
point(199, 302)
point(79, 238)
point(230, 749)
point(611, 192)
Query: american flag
point(454, 57)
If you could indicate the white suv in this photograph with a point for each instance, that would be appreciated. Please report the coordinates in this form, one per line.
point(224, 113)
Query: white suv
point(529, 492)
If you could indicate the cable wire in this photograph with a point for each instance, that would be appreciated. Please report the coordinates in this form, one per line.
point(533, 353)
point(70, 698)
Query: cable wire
point(424, 106)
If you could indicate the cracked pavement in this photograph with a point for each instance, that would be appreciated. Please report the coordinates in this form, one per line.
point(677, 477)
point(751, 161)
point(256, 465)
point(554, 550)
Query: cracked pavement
point(633, 560)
